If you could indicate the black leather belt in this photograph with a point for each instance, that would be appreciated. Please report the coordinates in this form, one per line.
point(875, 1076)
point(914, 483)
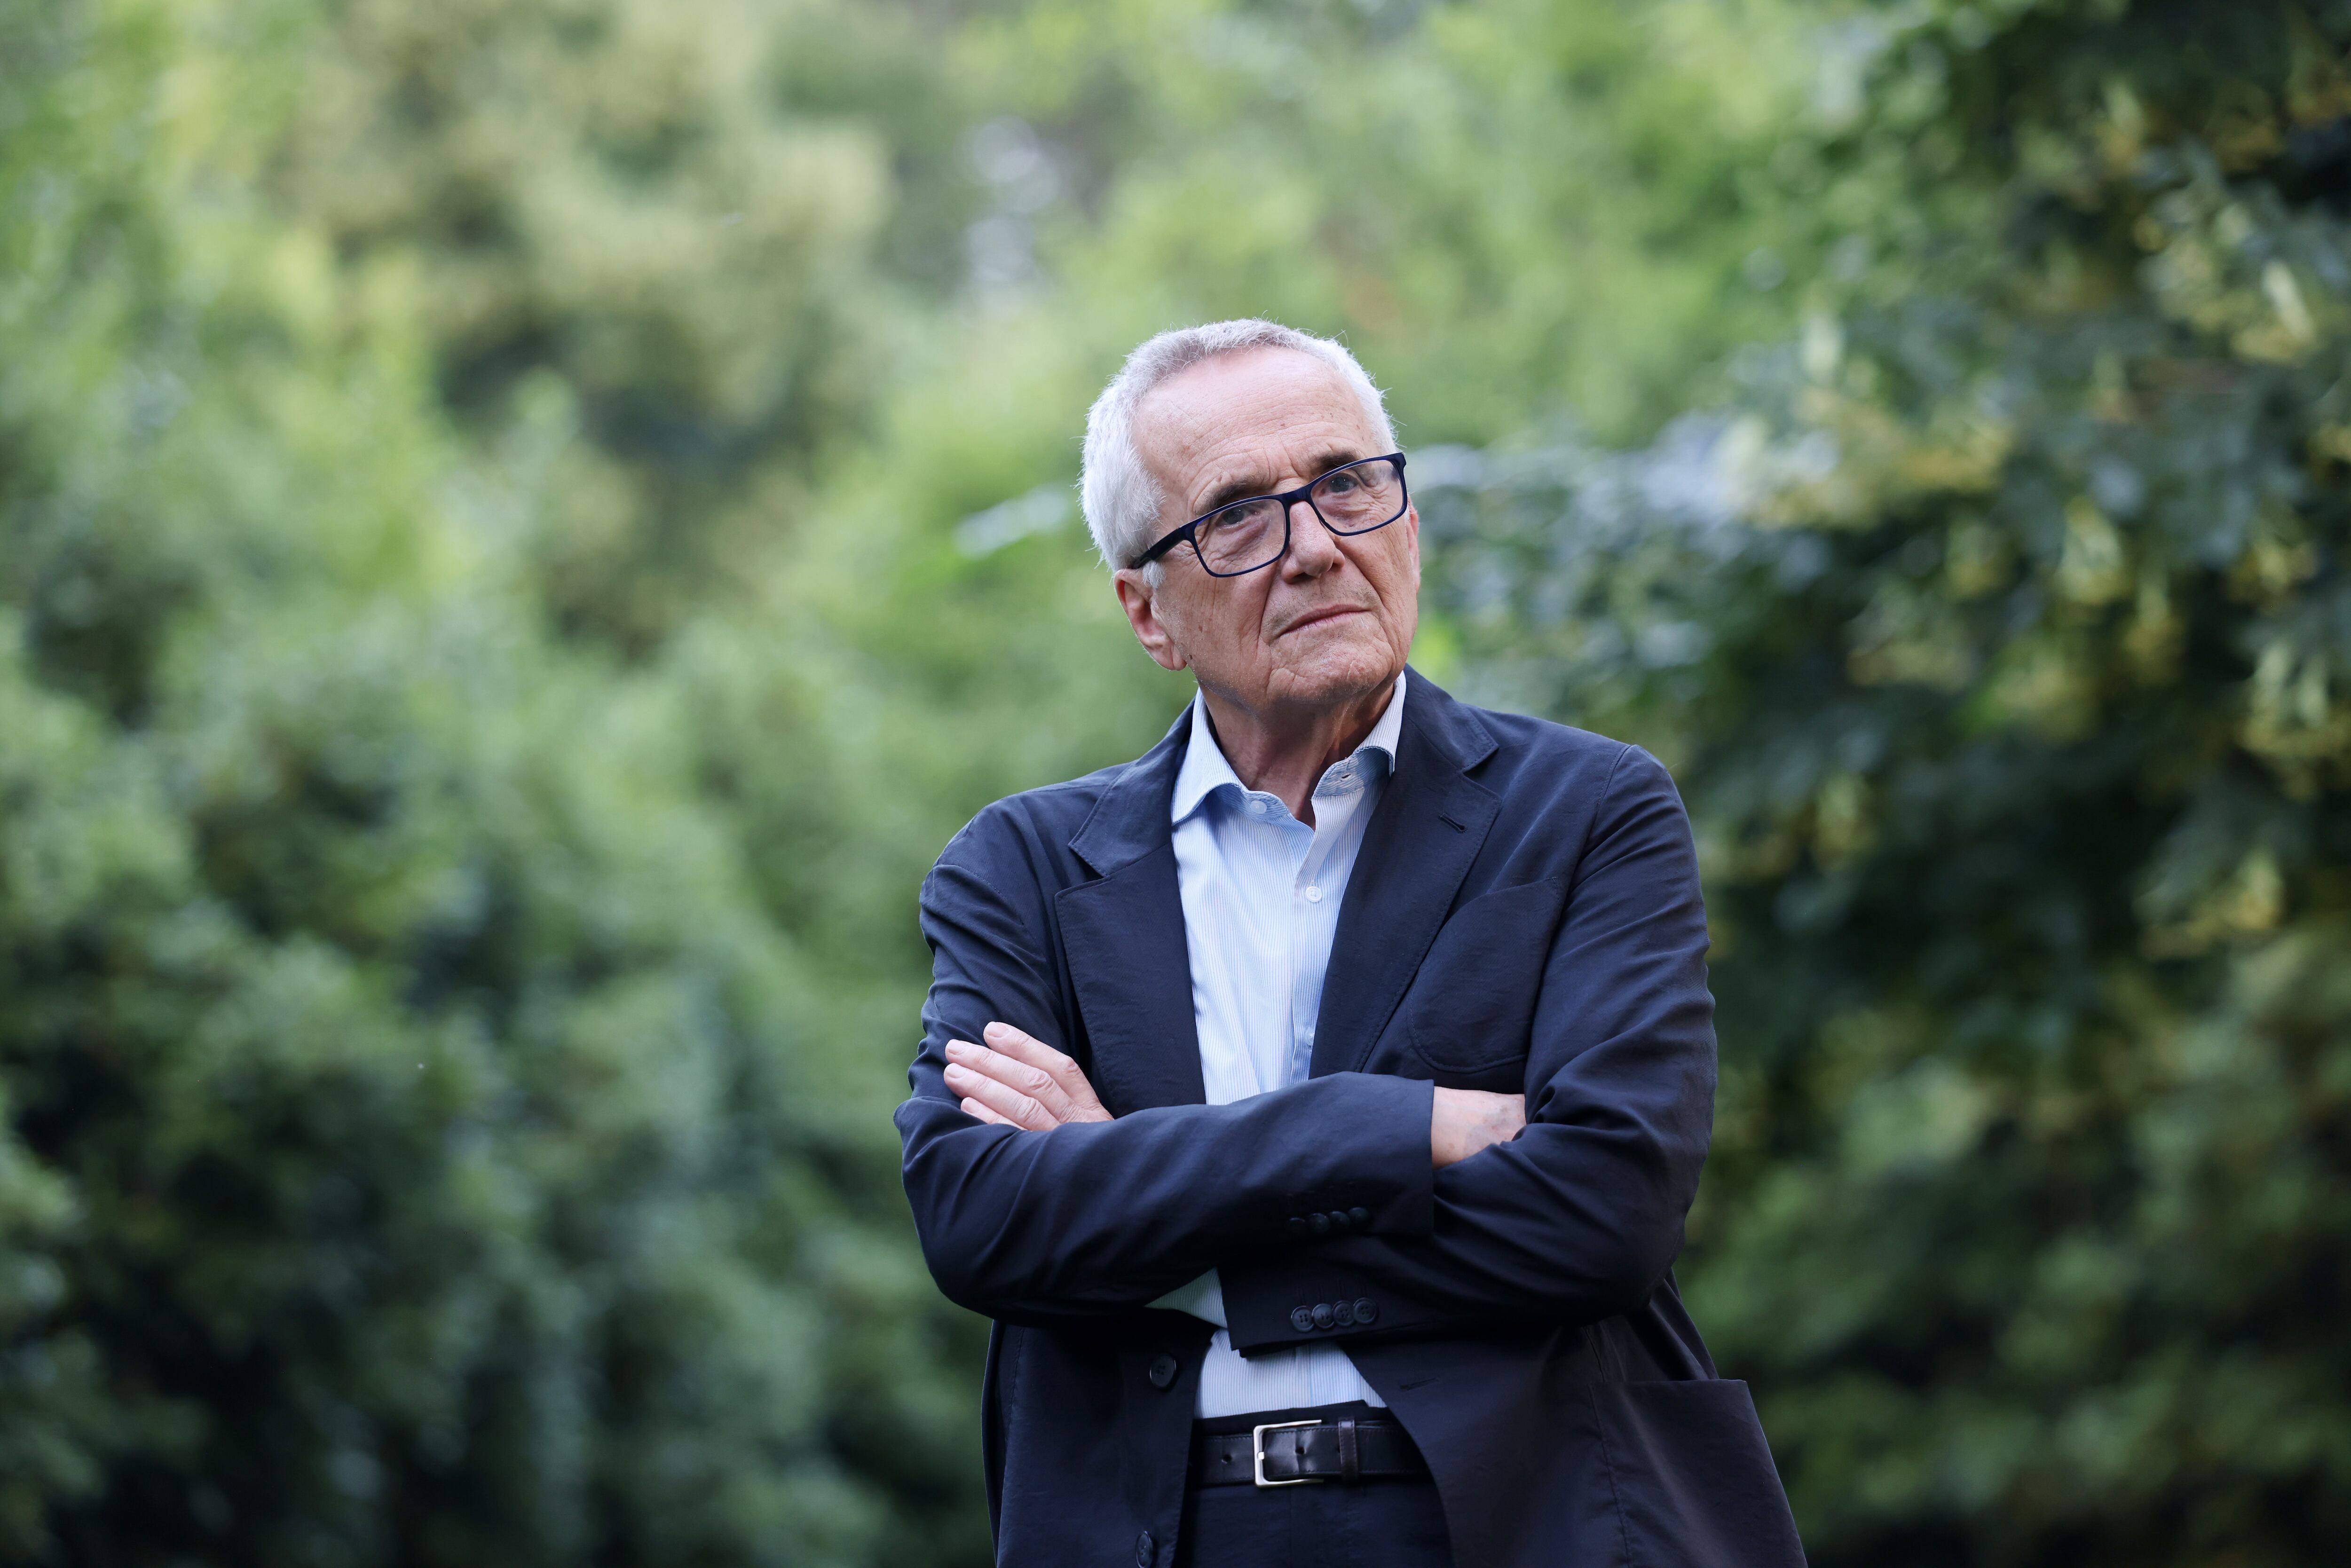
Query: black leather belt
point(1292, 1453)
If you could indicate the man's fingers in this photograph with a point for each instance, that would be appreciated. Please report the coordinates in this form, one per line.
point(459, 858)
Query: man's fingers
point(974, 1108)
point(1015, 1074)
point(1080, 1103)
point(1006, 1102)
point(1028, 1048)
point(1028, 1083)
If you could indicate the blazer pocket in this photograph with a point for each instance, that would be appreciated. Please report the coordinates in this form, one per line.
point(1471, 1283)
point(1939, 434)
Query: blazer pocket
point(1694, 1480)
point(1472, 1004)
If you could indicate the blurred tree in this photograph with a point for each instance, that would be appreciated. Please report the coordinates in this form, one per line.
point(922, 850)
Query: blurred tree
point(661, 217)
point(1998, 631)
point(1504, 205)
point(408, 1157)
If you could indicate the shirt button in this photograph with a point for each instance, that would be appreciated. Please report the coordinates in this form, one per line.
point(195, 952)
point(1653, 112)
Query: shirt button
point(1162, 1371)
point(1313, 896)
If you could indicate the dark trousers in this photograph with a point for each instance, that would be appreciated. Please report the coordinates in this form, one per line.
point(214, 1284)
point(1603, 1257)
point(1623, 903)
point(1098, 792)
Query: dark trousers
point(1325, 1524)
point(1385, 1523)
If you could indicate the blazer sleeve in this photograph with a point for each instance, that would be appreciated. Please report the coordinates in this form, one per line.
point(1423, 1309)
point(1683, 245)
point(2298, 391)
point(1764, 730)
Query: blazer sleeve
point(1579, 1217)
point(1103, 1217)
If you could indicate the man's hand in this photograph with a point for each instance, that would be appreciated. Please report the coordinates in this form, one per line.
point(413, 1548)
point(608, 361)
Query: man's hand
point(1021, 1082)
point(1464, 1121)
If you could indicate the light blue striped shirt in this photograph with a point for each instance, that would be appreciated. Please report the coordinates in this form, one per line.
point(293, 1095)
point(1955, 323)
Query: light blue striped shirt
point(1261, 894)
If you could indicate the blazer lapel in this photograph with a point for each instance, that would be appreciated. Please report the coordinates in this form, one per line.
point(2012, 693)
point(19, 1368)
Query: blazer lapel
point(1419, 845)
point(1122, 939)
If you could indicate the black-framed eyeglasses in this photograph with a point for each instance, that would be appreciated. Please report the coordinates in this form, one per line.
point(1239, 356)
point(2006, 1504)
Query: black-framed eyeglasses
point(1247, 536)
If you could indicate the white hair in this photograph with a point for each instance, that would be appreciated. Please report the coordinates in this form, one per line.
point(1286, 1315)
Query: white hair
point(1122, 500)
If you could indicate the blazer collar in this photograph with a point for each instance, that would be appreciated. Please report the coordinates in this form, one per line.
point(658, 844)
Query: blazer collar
point(1418, 848)
point(1130, 821)
point(1123, 938)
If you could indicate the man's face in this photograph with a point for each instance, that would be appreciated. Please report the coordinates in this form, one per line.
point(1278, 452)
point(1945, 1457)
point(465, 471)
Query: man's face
point(1330, 621)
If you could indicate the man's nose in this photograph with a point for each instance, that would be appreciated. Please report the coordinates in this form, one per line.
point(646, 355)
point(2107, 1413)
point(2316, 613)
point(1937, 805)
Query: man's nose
point(1313, 550)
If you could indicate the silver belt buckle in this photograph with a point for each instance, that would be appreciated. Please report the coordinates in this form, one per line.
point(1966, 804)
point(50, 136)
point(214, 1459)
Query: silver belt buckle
point(1257, 1454)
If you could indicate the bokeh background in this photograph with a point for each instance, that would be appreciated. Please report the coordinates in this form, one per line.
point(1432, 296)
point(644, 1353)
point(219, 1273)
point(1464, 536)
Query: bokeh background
point(526, 524)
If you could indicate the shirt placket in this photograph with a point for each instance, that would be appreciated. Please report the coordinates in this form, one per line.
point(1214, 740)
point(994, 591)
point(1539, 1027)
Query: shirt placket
point(1300, 838)
point(1291, 841)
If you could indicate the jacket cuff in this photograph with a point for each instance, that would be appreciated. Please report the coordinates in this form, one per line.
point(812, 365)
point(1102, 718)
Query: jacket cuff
point(1284, 1301)
point(1386, 1184)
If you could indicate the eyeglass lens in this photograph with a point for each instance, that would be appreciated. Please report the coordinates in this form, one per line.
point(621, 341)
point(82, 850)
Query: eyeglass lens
point(1352, 500)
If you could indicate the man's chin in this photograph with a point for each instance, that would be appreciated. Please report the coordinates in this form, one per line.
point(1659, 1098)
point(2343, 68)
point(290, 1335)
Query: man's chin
point(1340, 671)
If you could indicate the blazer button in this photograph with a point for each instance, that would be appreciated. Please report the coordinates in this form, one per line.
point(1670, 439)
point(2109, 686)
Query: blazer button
point(1342, 1313)
point(1323, 1317)
point(1298, 1225)
point(1303, 1319)
point(1143, 1550)
point(1339, 1221)
point(1319, 1223)
point(1360, 1216)
point(1162, 1371)
point(1367, 1310)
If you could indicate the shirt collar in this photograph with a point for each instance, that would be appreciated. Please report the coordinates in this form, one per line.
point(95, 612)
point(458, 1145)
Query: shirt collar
point(1205, 769)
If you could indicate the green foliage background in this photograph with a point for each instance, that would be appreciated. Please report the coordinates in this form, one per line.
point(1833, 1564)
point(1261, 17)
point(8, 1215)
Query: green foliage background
point(525, 523)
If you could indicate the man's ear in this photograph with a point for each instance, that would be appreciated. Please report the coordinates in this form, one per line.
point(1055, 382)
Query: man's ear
point(1140, 599)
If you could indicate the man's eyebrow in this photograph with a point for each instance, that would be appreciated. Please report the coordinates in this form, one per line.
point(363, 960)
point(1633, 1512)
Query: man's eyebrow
point(1231, 490)
point(1251, 486)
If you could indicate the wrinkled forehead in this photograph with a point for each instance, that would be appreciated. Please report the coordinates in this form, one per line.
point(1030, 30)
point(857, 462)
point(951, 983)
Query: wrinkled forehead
point(1247, 410)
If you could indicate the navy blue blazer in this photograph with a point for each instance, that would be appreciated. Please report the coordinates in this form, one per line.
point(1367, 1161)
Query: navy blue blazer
point(1525, 918)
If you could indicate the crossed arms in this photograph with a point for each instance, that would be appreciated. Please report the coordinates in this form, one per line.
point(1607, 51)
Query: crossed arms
point(1035, 1206)
point(1017, 1081)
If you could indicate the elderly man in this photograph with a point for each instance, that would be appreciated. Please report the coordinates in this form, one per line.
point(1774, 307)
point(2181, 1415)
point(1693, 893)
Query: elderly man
point(1314, 1103)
